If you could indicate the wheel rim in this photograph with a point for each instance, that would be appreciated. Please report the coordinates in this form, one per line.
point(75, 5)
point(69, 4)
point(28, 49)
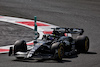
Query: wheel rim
point(86, 44)
point(60, 52)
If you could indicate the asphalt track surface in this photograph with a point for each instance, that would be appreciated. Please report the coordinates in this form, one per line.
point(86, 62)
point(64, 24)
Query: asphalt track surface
point(65, 13)
point(11, 32)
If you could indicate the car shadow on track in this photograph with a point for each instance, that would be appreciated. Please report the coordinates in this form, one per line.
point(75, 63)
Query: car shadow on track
point(64, 60)
point(91, 53)
point(43, 61)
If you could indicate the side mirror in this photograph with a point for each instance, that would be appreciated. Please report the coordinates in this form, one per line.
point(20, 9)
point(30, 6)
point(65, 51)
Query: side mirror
point(36, 36)
point(82, 31)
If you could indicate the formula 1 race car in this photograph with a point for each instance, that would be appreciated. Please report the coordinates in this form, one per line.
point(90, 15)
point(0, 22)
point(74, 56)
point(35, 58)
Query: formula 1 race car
point(56, 45)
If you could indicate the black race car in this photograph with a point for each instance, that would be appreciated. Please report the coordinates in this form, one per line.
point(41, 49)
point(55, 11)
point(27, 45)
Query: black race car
point(56, 45)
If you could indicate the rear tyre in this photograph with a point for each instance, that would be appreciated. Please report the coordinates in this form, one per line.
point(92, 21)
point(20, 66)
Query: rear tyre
point(20, 46)
point(82, 44)
point(58, 51)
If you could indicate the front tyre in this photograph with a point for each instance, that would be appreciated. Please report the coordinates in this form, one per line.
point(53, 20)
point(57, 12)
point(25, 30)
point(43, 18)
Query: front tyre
point(82, 44)
point(58, 51)
point(20, 46)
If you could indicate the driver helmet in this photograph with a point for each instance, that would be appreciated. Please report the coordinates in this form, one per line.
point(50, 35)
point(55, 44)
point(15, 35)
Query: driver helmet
point(50, 37)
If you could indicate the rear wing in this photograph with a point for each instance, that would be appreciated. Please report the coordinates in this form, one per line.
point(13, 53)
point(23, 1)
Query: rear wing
point(69, 30)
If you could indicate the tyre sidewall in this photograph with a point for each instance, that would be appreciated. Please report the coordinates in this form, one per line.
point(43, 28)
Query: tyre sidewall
point(82, 44)
point(56, 49)
point(20, 45)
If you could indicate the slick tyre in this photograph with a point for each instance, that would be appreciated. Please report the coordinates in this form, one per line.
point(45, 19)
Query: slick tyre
point(20, 46)
point(82, 44)
point(58, 51)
